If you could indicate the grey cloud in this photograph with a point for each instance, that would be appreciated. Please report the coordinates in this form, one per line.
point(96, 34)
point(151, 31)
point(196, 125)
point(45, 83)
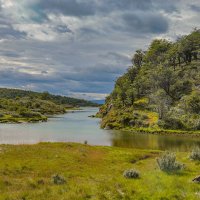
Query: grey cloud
point(99, 73)
point(119, 58)
point(68, 7)
point(81, 8)
point(64, 81)
point(195, 8)
point(116, 5)
point(8, 32)
point(88, 33)
point(62, 29)
point(11, 54)
point(168, 6)
point(146, 23)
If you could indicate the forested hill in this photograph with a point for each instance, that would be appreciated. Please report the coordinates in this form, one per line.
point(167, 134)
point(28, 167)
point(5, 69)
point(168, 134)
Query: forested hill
point(58, 99)
point(27, 106)
point(161, 90)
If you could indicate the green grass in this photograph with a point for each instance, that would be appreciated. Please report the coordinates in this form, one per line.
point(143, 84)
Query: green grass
point(91, 173)
point(162, 131)
point(11, 119)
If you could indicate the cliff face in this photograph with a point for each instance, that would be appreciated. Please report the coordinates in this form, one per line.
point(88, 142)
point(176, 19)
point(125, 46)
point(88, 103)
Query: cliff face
point(160, 90)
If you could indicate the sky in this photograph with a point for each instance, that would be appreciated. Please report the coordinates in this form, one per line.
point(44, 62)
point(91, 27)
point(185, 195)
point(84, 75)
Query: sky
point(79, 47)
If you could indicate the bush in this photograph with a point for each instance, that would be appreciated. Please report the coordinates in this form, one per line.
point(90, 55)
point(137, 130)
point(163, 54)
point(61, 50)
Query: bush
point(131, 173)
point(195, 154)
point(172, 123)
point(58, 180)
point(167, 162)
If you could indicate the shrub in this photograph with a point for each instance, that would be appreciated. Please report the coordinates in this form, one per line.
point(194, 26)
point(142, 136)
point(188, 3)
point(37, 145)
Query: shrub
point(195, 154)
point(167, 162)
point(58, 180)
point(131, 173)
point(30, 114)
point(144, 117)
point(172, 123)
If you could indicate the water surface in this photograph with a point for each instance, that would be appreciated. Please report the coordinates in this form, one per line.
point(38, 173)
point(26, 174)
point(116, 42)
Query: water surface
point(78, 127)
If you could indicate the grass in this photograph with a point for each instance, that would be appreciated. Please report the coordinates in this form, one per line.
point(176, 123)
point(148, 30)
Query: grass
point(162, 131)
point(91, 172)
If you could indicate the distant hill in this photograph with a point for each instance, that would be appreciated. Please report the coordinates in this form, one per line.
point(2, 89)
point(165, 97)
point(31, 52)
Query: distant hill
point(58, 99)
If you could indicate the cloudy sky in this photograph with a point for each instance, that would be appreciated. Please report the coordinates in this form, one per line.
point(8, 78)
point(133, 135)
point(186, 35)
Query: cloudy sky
point(79, 47)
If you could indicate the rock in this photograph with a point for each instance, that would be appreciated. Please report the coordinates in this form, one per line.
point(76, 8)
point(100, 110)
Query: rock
point(196, 179)
point(92, 116)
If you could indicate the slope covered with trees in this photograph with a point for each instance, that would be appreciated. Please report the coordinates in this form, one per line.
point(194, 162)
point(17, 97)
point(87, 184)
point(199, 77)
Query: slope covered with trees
point(161, 90)
point(20, 105)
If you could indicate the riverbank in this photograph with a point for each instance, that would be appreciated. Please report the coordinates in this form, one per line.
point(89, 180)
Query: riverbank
point(90, 172)
point(162, 131)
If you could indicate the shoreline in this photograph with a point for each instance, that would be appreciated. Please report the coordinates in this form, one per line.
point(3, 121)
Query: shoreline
point(160, 132)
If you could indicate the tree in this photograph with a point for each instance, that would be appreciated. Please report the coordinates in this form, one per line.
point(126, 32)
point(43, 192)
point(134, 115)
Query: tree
point(138, 58)
point(189, 46)
point(157, 51)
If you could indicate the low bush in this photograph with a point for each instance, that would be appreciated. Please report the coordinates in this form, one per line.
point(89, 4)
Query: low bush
point(131, 173)
point(195, 154)
point(167, 162)
point(58, 180)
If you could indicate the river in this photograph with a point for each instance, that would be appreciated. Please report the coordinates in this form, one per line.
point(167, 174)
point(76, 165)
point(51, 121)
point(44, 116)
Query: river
point(76, 126)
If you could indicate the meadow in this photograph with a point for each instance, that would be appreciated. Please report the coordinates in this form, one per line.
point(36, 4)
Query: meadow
point(77, 171)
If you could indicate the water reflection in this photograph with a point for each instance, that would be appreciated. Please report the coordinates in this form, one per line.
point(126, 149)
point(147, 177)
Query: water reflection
point(150, 141)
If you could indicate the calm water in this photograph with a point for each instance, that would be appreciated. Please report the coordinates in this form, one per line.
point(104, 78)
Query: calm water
point(78, 127)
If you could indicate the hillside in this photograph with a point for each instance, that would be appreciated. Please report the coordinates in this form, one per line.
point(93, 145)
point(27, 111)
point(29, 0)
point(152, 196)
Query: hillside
point(161, 90)
point(20, 105)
